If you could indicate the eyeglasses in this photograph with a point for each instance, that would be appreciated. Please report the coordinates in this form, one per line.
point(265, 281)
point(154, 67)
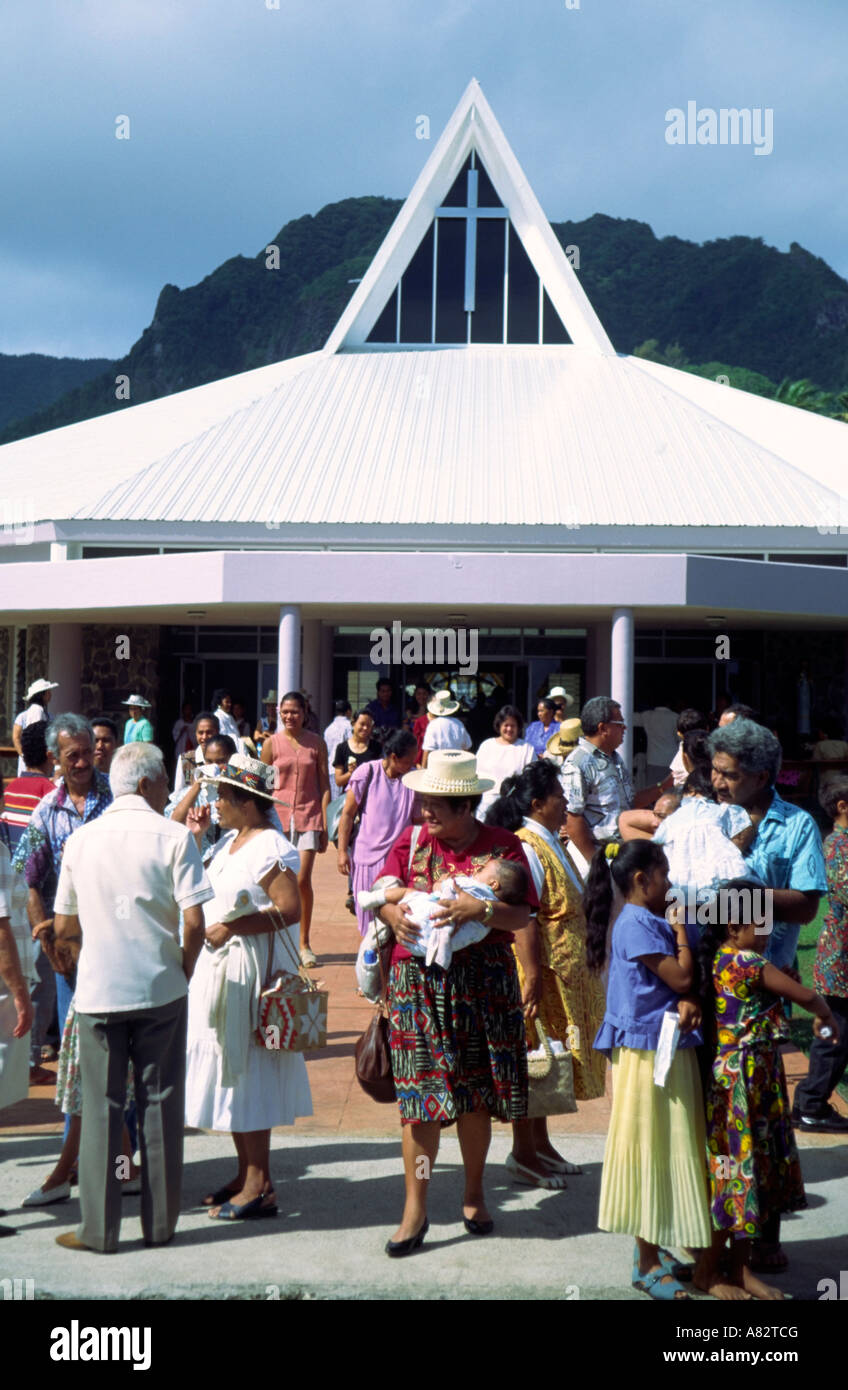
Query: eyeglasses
point(620, 722)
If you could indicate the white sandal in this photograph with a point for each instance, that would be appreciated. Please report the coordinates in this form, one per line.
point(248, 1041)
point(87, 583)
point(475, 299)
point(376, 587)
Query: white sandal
point(553, 1182)
point(558, 1165)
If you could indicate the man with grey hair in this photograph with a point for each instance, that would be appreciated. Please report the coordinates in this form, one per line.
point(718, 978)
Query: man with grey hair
point(786, 853)
point(81, 795)
point(595, 779)
point(124, 881)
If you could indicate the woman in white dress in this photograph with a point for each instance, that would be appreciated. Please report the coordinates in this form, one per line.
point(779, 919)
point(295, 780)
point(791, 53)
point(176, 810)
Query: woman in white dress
point(504, 756)
point(233, 1084)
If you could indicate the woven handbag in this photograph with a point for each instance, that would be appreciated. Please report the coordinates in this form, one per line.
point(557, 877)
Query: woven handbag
point(292, 1009)
point(551, 1090)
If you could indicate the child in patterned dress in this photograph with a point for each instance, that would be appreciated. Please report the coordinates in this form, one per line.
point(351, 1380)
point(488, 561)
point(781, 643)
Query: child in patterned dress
point(755, 1173)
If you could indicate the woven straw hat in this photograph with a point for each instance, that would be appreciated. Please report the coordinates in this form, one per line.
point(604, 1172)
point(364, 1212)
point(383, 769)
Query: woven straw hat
point(449, 772)
point(251, 775)
point(442, 703)
point(564, 741)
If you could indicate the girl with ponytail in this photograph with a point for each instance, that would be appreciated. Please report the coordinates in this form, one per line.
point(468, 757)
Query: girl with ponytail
point(653, 1184)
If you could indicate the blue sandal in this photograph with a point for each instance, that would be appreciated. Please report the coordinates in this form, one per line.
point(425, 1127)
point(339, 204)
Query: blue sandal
point(682, 1272)
point(250, 1211)
point(664, 1293)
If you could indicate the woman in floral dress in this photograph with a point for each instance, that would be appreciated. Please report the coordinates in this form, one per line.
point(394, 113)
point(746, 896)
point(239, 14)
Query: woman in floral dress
point(755, 1172)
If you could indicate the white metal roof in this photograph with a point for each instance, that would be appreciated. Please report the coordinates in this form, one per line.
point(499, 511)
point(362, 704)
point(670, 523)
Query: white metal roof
point(474, 436)
point(479, 435)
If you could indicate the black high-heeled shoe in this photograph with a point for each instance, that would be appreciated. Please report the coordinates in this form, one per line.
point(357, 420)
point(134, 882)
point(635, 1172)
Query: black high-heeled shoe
point(477, 1228)
point(398, 1248)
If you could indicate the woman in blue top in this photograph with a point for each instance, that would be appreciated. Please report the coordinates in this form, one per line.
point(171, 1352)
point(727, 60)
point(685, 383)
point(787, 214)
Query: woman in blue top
point(654, 1180)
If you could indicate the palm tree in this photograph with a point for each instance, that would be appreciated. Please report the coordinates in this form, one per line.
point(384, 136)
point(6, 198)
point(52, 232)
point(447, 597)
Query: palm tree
point(804, 394)
point(840, 406)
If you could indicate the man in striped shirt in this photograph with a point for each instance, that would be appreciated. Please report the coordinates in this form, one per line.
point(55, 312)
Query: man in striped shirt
point(23, 794)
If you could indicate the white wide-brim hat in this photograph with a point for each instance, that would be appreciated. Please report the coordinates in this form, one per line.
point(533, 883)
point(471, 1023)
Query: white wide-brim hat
point(442, 703)
point(449, 772)
point(250, 775)
point(560, 693)
point(270, 698)
point(38, 688)
point(139, 702)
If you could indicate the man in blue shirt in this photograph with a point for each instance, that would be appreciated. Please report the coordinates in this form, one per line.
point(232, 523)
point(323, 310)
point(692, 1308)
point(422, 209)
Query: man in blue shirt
point(786, 853)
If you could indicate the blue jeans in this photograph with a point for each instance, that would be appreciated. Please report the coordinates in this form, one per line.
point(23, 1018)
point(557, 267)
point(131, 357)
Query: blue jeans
point(43, 1003)
point(783, 944)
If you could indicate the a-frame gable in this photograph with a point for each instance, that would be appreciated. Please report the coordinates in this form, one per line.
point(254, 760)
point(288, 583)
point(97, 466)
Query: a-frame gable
point(472, 138)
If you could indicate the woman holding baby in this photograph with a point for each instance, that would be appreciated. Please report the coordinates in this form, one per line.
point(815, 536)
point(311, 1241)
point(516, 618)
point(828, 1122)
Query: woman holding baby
point(457, 1035)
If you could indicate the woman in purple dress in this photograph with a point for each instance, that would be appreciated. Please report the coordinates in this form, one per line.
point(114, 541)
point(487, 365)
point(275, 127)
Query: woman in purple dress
point(385, 809)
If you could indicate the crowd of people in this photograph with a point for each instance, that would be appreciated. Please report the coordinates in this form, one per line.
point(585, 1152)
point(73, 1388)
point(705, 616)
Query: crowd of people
point(527, 893)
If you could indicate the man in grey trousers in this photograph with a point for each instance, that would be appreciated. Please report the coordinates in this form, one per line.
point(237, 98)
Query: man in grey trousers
point(125, 878)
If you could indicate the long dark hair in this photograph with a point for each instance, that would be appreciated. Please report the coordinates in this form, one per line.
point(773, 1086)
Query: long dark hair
point(714, 936)
point(536, 782)
point(631, 857)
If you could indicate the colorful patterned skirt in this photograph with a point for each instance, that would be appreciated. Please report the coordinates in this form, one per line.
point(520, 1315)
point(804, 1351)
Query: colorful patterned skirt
point(68, 1077)
point(755, 1172)
point(457, 1037)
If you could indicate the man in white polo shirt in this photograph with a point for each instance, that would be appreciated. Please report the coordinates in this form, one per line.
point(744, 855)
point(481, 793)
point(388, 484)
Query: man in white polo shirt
point(444, 731)
point(125, 878)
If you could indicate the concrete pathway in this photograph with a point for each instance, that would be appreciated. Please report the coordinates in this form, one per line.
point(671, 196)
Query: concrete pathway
point(339, 1186)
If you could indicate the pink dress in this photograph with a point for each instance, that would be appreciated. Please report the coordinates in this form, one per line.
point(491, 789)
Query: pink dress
point(297, 782)
point(388, 810)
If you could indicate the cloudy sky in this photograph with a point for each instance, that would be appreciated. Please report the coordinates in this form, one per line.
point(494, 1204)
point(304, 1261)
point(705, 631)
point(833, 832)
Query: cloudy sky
point(243, 116)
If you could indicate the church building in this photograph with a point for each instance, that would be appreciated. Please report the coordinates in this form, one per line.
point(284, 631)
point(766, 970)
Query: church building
point(468, 453)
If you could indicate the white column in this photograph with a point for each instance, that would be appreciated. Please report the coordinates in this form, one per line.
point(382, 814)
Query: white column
point(288, 655)
point(64, 664)
point(312, 663)
point(621, 674)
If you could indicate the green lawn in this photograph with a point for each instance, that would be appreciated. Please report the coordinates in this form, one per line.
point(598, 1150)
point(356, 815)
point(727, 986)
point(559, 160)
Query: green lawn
point(801, 1024)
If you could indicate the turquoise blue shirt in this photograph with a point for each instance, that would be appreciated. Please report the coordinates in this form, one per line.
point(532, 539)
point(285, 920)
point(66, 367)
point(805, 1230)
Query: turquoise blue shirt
point(787, 853)
point(138, 731)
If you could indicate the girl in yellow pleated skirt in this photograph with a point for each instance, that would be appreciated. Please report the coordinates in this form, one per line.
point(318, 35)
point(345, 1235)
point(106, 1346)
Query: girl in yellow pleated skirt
point(654, 1183)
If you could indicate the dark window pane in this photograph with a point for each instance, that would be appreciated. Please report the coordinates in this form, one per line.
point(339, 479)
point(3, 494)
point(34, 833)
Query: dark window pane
point(487, 319)
point(523, 294)
point(416, 293)
point(486, 195)
point(385, 328)
point(450, 282)
point(553, 328)
point(458, 195)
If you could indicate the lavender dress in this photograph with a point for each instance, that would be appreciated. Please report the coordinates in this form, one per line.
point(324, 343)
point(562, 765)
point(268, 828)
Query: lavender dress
point(388, 809)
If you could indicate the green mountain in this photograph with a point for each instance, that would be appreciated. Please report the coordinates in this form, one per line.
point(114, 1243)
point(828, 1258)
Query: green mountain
point(771, 313)
point(32, 381)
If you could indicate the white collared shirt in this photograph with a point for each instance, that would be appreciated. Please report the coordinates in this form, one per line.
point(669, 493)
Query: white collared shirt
point(553, 842)
point(126, 876)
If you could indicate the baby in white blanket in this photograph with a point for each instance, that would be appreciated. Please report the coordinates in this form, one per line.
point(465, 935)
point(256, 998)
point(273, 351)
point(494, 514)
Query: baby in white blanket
point(502, 880)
